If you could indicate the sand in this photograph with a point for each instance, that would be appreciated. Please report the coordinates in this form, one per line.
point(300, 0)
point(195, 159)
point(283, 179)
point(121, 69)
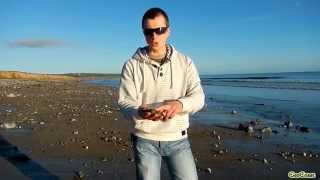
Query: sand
point(74, 130)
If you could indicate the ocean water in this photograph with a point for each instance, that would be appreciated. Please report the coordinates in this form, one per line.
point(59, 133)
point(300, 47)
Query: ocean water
point(271, 97)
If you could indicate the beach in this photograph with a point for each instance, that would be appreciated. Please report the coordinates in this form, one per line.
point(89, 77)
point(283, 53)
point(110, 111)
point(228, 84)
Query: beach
point(74, 130)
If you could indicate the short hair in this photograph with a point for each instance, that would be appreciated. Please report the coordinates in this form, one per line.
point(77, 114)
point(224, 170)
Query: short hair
point(152, 13)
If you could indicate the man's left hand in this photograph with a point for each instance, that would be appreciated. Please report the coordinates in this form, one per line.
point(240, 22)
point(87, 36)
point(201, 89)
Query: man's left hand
point(170, 108)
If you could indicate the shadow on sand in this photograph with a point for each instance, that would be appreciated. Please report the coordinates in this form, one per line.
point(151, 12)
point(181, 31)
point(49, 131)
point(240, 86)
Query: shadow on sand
point(22, 162)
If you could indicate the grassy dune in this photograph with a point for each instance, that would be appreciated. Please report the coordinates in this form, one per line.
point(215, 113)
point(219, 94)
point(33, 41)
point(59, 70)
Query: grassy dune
point(32, 76)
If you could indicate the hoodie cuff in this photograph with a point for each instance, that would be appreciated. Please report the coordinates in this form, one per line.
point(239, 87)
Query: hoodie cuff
point(186, 105)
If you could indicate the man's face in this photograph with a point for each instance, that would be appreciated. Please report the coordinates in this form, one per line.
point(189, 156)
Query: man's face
point(154, 40)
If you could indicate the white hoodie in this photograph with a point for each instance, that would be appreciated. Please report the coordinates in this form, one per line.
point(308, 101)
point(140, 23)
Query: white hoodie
point(146, 82)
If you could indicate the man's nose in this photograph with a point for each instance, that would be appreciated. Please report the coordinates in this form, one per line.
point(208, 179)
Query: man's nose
point(154, 34)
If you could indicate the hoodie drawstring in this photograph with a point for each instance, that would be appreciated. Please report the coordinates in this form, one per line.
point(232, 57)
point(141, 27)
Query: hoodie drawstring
point(171, 85)
point(144, 78)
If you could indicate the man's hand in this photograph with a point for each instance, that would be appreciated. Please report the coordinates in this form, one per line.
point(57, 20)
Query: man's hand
point(150, 114)
point(169, 109)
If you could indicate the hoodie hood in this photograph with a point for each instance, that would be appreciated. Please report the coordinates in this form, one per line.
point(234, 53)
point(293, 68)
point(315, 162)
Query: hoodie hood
point(142, 57)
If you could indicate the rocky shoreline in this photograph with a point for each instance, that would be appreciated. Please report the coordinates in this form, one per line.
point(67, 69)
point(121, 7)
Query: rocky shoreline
point(79, 127)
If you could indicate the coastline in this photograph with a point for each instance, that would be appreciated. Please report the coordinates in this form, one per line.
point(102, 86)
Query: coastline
point(70, 127)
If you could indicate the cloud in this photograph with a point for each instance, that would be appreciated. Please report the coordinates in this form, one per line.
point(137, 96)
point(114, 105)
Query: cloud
point(33, 43)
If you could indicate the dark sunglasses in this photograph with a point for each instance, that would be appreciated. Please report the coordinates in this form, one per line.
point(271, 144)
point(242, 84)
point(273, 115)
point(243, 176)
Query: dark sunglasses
point(158, 31)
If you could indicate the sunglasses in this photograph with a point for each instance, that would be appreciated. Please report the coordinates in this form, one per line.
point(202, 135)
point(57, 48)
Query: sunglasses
point(158, 31)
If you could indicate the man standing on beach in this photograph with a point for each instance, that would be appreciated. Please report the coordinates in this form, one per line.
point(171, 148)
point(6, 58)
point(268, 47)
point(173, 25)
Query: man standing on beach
point(159, 88)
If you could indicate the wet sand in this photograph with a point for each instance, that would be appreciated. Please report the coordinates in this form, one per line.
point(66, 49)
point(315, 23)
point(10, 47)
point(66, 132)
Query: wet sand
point(74, 130)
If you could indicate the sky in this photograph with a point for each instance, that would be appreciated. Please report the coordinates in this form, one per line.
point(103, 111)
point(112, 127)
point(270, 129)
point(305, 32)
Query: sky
point(221, 37)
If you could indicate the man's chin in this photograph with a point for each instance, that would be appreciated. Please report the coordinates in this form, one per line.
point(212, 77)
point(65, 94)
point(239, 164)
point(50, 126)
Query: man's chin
point(155, 47)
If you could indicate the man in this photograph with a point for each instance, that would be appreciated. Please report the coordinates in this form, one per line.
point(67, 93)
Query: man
point(159, 88)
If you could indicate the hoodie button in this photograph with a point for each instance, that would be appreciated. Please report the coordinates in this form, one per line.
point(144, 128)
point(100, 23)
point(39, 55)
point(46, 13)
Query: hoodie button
point(161, 74)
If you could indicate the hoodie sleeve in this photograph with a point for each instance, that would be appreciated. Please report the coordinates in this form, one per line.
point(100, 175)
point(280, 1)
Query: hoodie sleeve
point(194, 99)
point(127, 93)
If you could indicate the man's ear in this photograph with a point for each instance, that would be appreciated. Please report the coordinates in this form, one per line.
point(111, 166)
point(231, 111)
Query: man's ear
point(169, 31)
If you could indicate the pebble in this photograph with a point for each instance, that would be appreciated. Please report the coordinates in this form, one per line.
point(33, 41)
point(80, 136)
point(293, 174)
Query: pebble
point(113, 138)
point(105, 159)
point(250, 129)
point(80, 174)
point(266, 130)
point(304, 129)
point(221, 152)
point(253, 123)
point(41, 123)
point(208, 170)
point(99, 171)
point(242, 127)
point(86, 147)
point(265, 161)
point(288, 124)
point(247, 128)
point(304, 154)
point(11, 95)
point(214, 132)
point(234, 112)
point(8, 125)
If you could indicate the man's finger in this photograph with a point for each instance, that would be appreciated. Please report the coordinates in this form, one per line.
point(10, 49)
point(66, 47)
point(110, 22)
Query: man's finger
point(163, 108)
point(170, 114)
point(173, 114)
point(163, 115)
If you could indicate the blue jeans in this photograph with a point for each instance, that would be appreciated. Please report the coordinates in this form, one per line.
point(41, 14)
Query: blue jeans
point(177, 154)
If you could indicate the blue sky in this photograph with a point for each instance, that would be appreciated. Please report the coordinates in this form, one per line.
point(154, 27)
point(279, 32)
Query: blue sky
point(222, 37)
